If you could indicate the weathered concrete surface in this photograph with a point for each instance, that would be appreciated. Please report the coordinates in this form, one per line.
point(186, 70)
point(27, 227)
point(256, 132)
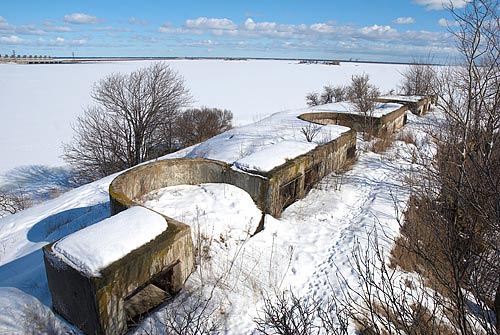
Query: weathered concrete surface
point(96, 305)
point(136, 182)
point(387, 123)
point(264, 188)
point(420, 107)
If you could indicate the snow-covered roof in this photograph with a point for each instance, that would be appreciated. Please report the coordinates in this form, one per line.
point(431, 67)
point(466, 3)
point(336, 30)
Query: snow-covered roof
point(275, 155)
point(403, 98)
point(259, 145)
point(95, 247)
point(381, 108)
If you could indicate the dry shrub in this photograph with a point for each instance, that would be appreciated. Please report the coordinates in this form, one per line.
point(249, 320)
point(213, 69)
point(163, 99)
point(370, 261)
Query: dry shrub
point(424, 322)
point(382, 143)
point(420, 249)
point(407, 137)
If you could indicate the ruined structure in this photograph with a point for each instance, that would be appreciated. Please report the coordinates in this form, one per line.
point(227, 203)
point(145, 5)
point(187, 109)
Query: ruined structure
point(418, 105)
point(377, 123)
point(142, 278)
point(132, 284)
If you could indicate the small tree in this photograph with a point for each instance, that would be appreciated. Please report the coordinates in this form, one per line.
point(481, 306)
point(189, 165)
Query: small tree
point(133, 121)
point(197, 125)
point(418, 78)
point(13, 201)
point(330, 94)
point(362, 94)
point(313, 99)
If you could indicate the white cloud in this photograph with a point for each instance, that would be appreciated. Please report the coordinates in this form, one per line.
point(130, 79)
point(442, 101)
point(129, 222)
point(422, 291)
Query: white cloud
point(6, 28)
point(404, 20)
point(80, 18)
point(378, 30)
point(446, 23)
point(441, 4)
point(249, 24)
point(322, 28)
point(138, 22)
point(79, 42)
point(111, 28)
point(210, 23)
point(50, 27)
point(11, 39)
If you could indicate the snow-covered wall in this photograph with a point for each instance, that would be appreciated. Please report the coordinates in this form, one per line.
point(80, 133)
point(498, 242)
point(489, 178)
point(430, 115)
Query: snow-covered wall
point(97, 304)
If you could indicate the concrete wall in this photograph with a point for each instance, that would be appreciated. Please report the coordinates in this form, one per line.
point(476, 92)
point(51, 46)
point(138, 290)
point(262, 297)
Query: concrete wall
point(96, 305)
point(419, 108)
point(264, 188)
point(354, 121)
point(385, 124)
point(127, 188)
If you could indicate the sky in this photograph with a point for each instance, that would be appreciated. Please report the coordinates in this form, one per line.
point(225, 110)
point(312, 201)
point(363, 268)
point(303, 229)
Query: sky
point(370, 30)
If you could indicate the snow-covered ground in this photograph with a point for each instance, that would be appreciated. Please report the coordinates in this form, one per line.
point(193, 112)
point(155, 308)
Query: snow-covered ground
point(302, 251)
point(38, 102)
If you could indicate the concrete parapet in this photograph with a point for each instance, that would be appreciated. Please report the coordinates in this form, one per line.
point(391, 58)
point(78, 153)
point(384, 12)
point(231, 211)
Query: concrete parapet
point(103, 304)
point(146, 276)
point(418, 105)
point(387, 123)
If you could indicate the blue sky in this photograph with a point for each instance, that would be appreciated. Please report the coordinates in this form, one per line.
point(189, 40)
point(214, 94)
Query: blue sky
point(379, 30)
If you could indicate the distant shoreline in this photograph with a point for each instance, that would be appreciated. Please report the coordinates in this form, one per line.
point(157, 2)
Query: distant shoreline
point(77, 60)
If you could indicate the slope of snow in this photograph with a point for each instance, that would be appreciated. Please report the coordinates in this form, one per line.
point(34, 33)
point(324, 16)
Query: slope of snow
point(95, 247)
point(238, 143)
point(409, 98)
point(40, 101)
point(212, 209)
point(302, 251)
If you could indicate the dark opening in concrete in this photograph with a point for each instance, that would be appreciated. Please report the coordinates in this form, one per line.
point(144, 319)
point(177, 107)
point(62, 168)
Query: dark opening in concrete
point(311, 177)
point(149, 295)
point(289, 192)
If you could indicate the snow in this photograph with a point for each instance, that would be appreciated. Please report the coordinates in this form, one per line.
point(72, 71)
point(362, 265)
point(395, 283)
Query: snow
point(303, 251)
point(381, 108)
point(275, 155)
point(40, 101)
point(240, 144)
point(95, 247)
point(216, 209)
point(408, 98)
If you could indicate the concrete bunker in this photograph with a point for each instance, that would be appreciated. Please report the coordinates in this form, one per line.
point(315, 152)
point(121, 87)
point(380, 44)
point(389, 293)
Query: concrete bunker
point(102, 299)
point(418, 105)
point(144, 277)
point(386, 123)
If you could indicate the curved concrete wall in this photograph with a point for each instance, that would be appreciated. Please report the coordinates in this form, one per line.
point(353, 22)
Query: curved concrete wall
point(386, 123)
point(125, 189)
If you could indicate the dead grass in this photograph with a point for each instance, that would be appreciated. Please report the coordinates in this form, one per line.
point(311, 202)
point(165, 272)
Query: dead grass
point(423, 322)
point(382, 143)
point(407, 137)
point(420, 249)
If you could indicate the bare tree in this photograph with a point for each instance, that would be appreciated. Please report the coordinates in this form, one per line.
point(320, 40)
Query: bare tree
point(313, 99)
point(418, 78)
point(284, 313)
point(310, 131)
point(133, 121)
point(453, 230)
point(13, 201)
point(330, 94)
point(362, 94)
point(197, 125)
